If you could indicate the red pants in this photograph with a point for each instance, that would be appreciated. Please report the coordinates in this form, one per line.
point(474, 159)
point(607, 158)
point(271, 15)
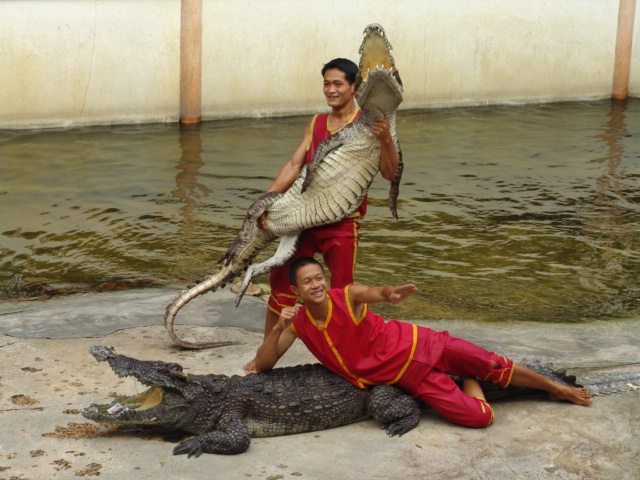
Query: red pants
point(438, 354)
point(337, 243)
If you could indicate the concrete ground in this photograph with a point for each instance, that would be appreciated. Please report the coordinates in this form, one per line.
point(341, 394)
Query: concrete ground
point(47, 376)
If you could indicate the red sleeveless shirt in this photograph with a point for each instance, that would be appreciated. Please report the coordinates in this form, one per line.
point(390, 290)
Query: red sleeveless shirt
point(365, 350)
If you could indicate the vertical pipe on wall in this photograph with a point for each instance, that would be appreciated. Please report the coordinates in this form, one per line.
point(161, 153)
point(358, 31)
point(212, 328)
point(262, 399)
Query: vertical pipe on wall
point(191, 62)
point(624, 40)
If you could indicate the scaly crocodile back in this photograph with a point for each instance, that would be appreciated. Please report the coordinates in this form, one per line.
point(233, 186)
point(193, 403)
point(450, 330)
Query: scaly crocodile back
point(339, 185)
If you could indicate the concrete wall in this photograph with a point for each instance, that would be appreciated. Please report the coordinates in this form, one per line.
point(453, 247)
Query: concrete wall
point(69, 62)
point(73, 62)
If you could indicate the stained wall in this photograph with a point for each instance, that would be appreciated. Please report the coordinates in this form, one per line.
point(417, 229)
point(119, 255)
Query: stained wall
point(79, 62)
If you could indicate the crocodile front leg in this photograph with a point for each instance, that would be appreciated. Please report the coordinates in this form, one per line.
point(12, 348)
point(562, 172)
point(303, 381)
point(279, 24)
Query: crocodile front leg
point(397, 410)
point(234, 438)
point(249, 230)
point(286, 249)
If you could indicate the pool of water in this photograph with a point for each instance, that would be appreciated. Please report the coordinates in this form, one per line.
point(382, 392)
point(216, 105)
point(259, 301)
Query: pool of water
point(506, 213)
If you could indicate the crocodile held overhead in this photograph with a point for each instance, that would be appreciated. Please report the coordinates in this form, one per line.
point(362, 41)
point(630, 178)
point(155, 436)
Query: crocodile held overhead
point(329, 189)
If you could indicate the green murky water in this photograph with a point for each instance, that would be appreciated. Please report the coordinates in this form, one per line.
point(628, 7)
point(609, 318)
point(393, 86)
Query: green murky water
point(507, 213)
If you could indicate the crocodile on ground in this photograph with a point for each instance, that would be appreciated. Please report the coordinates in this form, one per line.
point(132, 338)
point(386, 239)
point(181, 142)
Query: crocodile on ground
point(327, 190)
point(225, 412)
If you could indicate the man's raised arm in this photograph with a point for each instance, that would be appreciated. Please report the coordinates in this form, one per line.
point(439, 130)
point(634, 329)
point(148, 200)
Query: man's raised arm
point(276, 343)
point(389, 159)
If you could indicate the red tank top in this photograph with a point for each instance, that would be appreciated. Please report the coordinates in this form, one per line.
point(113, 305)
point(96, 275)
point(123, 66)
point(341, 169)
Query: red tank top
point(320, 132)
point(365, 350)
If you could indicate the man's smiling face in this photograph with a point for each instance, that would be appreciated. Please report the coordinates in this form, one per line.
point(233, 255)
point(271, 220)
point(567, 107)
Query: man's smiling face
point(311, 284)
point(337, 89)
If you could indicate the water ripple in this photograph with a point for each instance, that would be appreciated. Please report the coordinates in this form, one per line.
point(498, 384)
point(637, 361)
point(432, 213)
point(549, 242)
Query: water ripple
point(506, 213)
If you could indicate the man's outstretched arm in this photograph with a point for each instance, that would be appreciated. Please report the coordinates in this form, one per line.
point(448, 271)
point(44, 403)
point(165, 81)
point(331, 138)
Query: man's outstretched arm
point(361, 294)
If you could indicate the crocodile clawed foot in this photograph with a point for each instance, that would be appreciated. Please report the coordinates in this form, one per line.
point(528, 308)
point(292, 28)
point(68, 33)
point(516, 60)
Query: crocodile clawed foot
point(402, 426)
point(191, 448)
point(239, 297)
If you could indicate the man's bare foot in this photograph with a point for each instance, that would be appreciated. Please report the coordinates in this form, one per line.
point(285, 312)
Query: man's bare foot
point(579, 396)
point(250, 367)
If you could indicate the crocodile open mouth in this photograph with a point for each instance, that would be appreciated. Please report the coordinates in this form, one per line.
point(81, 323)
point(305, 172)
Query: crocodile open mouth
point(378, 82)
point(150, 398)
point(145, 407)
point(158, 403)
point(375, 53)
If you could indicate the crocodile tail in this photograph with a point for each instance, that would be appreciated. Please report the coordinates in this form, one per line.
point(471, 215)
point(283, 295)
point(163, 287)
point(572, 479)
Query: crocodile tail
point(211, 283)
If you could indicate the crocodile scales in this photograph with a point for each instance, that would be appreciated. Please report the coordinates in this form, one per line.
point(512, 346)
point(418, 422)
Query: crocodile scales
point(327, 190)
point(225, 412)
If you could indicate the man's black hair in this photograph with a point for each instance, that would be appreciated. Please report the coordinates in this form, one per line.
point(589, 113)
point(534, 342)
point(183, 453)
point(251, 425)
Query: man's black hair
point(297, 264)
point(349, 68)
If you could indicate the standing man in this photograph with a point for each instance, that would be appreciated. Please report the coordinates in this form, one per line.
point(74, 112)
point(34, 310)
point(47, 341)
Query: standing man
point(350, 340)
point(338, 242)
